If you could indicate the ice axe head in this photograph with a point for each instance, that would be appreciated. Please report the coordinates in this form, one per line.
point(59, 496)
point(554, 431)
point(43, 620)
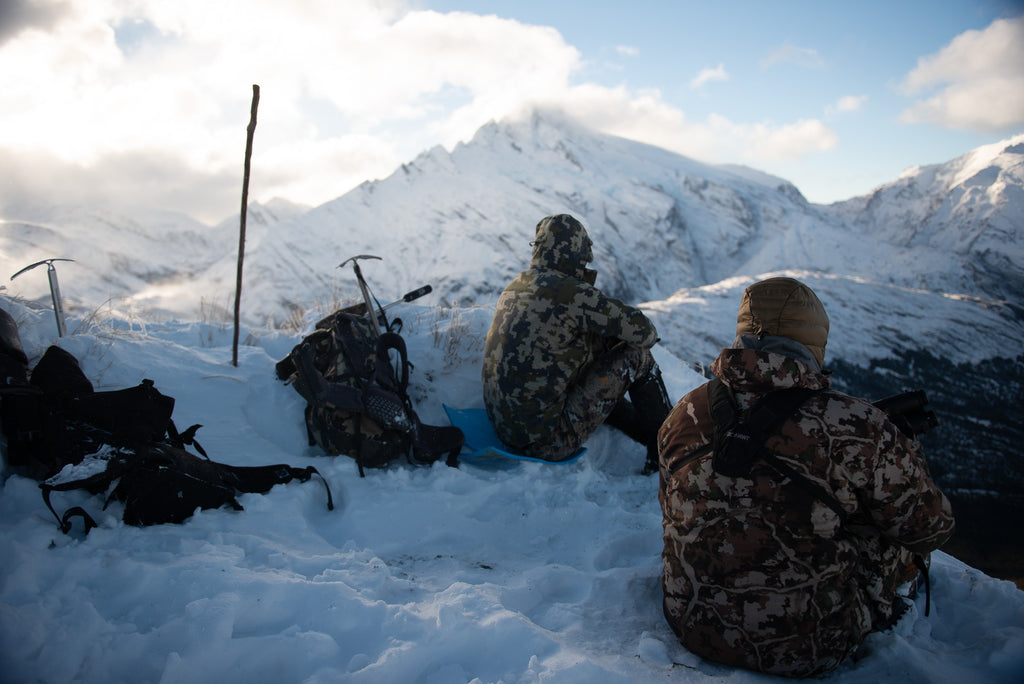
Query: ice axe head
point(355, 260)
point(58, 306)
point(364, 288)
point(48, 262)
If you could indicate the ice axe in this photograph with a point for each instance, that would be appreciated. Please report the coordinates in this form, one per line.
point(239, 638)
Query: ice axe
point(58, 307)
point(408, 297)
point(364, 289)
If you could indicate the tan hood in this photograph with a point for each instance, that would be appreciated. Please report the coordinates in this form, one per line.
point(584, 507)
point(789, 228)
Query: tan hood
point(786, 308)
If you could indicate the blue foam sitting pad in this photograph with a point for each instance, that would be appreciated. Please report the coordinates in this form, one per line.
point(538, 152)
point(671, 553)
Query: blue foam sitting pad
point(483, 444)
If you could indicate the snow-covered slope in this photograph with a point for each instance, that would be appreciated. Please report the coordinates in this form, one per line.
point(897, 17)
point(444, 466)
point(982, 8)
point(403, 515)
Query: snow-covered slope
point(434, 575)
point(970, 209)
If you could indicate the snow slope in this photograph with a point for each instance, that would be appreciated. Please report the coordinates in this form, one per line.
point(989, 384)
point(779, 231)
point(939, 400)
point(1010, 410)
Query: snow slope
point(967, 213)
point(435, 575)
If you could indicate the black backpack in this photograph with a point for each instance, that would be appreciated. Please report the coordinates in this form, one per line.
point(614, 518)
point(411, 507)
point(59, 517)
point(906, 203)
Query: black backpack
point(161, 483)
point(57, 419)
point(59, 430)
point(357, 402)
point(20, 401)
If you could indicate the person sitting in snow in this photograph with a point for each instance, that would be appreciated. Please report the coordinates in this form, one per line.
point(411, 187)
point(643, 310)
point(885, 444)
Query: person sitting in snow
point(786, 573)
point(560, 355)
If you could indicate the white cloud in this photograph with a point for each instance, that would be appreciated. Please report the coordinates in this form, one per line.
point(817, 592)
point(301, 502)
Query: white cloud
point(708, 75)
point(87, 88)
point(647, 118)
point(847, 103)
point(147, 101)
point(792, 54)
point(976, 82)
point(627, 50)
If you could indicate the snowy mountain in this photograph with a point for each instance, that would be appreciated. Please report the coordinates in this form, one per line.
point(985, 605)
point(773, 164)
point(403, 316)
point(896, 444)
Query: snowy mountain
point(970, 209)
point(922, 279)
point(463, 220)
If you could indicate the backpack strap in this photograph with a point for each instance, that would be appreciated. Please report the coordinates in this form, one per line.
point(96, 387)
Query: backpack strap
point(76, 511)
point(232, 479)
point(921, 562)
point(385, 343)
point(739, 442)
point(94, 483)
point(186, 438)
point(260, 479)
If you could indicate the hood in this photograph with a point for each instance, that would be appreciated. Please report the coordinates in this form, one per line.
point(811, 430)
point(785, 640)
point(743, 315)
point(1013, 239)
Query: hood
point(562, 244)
point(785, 307)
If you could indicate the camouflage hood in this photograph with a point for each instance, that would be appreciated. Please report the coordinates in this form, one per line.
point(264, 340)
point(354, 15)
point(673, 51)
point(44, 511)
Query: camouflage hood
point(562, 244)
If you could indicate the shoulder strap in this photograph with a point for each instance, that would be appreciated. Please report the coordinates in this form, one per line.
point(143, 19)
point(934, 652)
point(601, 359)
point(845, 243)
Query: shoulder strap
point(382, 364)
point(738, 443)
point(260, 479)
point(97, 482)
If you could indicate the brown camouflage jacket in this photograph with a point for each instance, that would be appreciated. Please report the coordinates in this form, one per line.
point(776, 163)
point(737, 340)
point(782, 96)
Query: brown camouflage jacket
point(548, 324)
point(760, 574)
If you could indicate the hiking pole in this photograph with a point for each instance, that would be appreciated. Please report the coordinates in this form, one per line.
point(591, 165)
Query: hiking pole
point(249, 131)
point(364, 289)
point(58, 307)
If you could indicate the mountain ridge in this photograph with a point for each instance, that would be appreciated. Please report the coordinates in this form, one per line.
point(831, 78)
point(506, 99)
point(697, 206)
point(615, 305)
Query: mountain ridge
point(922, 278)
point(661, 222)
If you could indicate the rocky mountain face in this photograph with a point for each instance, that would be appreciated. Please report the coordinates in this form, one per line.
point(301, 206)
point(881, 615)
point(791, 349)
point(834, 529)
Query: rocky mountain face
point(970, 210)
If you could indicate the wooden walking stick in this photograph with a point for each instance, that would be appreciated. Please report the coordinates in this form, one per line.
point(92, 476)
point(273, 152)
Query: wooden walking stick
point(241, 230)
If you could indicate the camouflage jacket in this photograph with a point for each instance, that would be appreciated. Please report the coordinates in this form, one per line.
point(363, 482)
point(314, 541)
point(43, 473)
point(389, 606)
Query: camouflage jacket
point(548, 325)
point(760, 574)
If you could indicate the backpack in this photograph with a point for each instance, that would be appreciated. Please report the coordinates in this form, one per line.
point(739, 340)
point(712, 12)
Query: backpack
point(59, 430)
point(20, 401)
point(357, 403)
point(738, 441)
point(161, 483)
point(59, 419)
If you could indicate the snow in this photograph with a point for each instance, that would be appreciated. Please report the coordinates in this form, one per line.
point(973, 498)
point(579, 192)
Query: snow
point(531, 573)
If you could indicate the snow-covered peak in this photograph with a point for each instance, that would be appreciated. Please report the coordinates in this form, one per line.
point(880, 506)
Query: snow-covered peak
point(462, 221)
point(971, 207)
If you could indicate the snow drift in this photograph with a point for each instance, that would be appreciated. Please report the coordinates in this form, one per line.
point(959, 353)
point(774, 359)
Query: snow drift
point(531, 573)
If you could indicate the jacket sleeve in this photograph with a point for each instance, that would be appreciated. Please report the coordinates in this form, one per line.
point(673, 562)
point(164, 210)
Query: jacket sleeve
point(596, 313)
point(904, 502)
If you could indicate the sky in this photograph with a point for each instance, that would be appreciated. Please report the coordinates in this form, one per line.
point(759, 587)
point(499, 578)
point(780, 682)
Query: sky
point(145, 103)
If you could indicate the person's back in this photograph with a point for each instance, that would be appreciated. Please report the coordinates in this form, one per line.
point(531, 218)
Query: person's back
point(550, 327)
point(760, 572)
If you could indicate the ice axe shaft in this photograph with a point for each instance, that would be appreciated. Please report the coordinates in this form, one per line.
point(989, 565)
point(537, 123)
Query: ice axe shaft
point(58, 305)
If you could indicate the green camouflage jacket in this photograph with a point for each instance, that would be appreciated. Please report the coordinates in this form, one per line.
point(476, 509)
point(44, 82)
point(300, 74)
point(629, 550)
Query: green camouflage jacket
point(548, 325)
point(762, 575)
